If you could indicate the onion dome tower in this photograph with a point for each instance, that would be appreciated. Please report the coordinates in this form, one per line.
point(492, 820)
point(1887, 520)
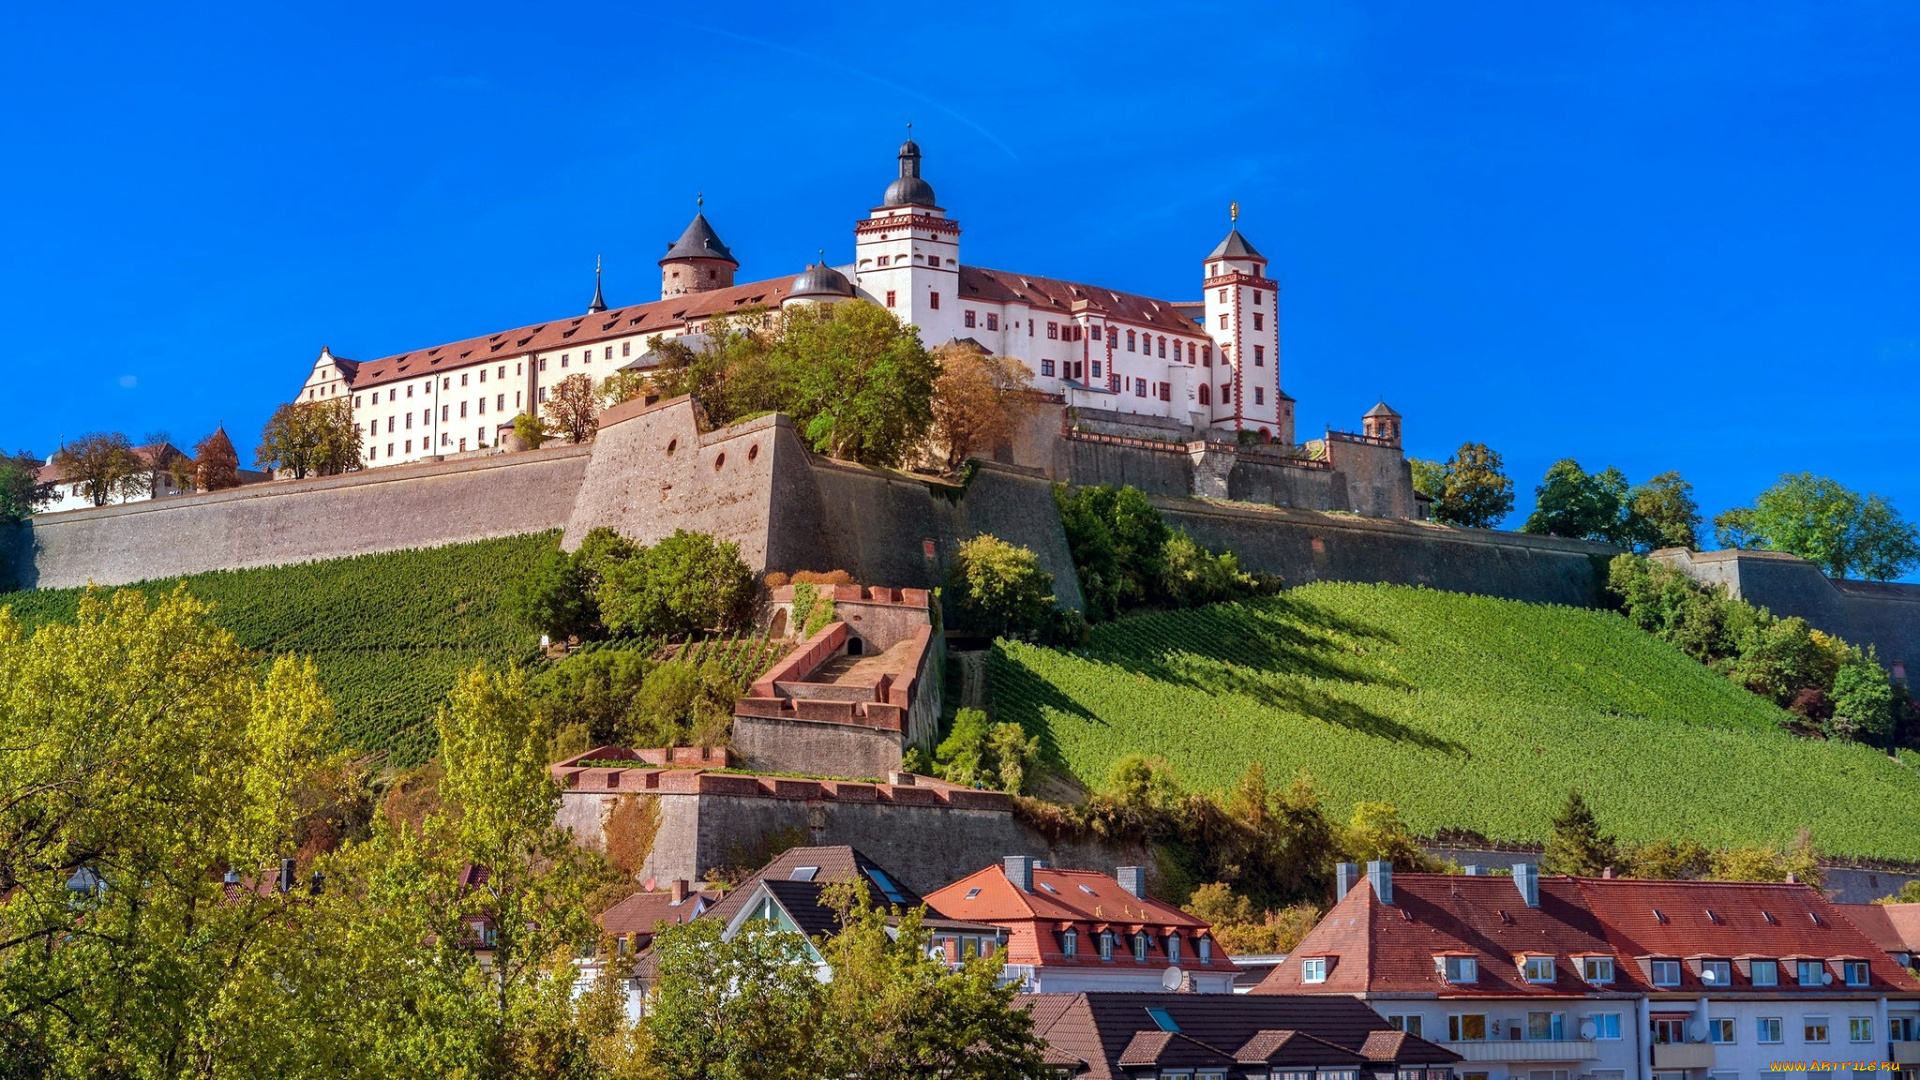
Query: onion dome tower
point(909, 189)
point(820, 284)
point(698, 261)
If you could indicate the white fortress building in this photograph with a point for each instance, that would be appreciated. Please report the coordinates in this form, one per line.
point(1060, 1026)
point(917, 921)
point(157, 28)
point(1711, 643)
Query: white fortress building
point(1211, 366)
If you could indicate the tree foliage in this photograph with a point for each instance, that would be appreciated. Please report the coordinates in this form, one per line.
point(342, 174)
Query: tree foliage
point(980, 753)
point(22, 493)
point(105, 466)
point(1127, 555)
point(318, 438)
point(997, 589)
point(1844, 533)
point(1601, 506)
point(216, 465)
point(1474, 491)
point(1576, 845)
point(977, 400)
point(572, 409)
point(685, 583)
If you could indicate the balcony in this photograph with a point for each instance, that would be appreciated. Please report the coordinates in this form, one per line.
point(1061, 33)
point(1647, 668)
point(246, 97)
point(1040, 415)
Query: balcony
point(1683, 1055)
point(1533, 1051)
point(1906, 1053)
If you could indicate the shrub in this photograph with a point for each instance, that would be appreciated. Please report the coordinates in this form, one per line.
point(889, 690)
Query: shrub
point(598, 690)
point(556, 598)
point(984, 754)
point(1862, 703)
point(1127, 556)
point(684, 703)
point(999, 589)
point(687, 582)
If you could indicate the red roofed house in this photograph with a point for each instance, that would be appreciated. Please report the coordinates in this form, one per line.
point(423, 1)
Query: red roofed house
point(1893, 927)
point(1075, 930)
point(1557, 978)
point(70, 494)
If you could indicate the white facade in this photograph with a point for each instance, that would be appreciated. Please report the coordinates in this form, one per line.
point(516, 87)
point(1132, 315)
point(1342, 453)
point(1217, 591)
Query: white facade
point(1210, 364)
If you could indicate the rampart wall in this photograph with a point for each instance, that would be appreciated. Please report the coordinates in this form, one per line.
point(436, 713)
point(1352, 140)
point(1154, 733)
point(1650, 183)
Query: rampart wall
point(1882, 614)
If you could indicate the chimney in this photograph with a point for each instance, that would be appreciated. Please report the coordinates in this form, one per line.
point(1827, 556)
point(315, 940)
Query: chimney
point(1793, 878)
point(1133, 879)
point(1020, 872)
point(1344, 876)
point(286, 875)
point(679, 890)
point(1526, 878)
point(1380, 876)
point(1041, 864)
point(1472, 870)
point(1606, 872)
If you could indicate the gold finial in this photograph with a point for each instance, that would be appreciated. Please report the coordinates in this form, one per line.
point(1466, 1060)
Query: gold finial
point(1233, 211)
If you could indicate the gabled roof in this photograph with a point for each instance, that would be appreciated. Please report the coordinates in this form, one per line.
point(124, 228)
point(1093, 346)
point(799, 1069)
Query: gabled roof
point(823, 866)
point(643, 911)
point(1895, 928)
point(1005, 286)
point(1235, 246)
point(1057, 896)
point(1113, 1030)
point(1373, 947)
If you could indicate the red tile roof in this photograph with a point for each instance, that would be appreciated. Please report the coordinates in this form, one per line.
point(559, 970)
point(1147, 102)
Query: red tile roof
point(643, 911)
point(1087, 901)
point(152, 455)
point(1895, 928)
point(1380, 948)
point(1002, 286)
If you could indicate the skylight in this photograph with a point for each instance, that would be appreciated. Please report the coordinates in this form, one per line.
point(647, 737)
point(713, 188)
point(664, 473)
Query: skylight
point(803, 873)
point(1088, 891)
point(1163, 1020)
point(887, 886)
point(971, 893)
point(1048, 887)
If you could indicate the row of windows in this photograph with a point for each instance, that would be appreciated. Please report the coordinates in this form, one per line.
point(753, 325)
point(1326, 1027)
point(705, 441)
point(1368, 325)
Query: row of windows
point(1552, 1026)
point(1665, 973)
point(1143, 945)
point(446, 440)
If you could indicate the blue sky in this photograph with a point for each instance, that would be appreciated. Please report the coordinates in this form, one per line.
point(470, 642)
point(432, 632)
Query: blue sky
point(1652, 236)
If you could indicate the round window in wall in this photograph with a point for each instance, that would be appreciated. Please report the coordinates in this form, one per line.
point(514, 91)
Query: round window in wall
point(753, 452)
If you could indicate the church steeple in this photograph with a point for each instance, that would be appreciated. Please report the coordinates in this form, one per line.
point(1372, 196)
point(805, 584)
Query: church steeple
point(599, 299)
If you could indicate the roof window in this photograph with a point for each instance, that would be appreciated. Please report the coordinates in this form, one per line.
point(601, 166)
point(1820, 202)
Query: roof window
point(803, 873)
point(971, 893)
point(887, 886)
point(1163, 1020)
point(1049, 888)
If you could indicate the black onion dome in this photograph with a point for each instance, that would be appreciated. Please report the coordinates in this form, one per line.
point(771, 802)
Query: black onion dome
point(820, 280)
point(909, 189)
point(699, 242)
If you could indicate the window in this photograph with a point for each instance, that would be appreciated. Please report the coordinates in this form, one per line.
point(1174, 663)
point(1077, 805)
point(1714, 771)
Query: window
point(374, 451)
point(1206, 950)
point(1166, 391)
point(483, 406)
point(1409, 1023)
point(543, 363)
point(933, 301)
point(1546, 1026)
point(445, 410)
point(886, 260)
point(1046, 368)
point(1095, 332)
point(1766, 1029)
point(1720, 1029)
point(463, 409)
point(499, 403)
point(626, 348)
point(390, 393)
point(1206, 355)
point(1814, 1029)
point(1163, 1020)
point(890, 297)
point(410, 445)
point(1106, 945)
point(1070, 942)
point(1113, 381)
point(1130, 340)
point(463, 377)
point(1139, 388)
point(409, 391)
point(1810, 972)
point(1466, 1027)
point(564, 358)
point(1666, 972)
point(1163, 348)
point(1259, 321)
point(1902, 1028)
point(390, 425)
point(966, 318)
point(1766, 972)
point(1259, 356)
point(483, 375)
point(1226, 393)
point(1191, 352)
point(993, 321)
point(541, 397)
point(1223, 320)
point(1029, 327)
point(608, 355)
point(1256, 297)
point(356, 401)
point(1539, 969)
point(1855, 972)
point(1223, 296)
point(1605, 1025)
point(1259, 395)
point(1173, 948)
point(1716, 973)
point(1140, 947)
point(1096, 369)
point(409, 424)
point(1669, 1029)
point(1313, 969)
point(1053, 331)
point(373, 427)
point(1860, 1029)
point(463, 446)
point(446, 439)
point(1455, 969)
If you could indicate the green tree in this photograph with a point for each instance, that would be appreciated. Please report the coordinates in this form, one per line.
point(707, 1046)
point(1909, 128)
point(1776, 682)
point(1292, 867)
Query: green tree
point(1377, 832)
point(744, 1009)
point(1839, 530)
point(1663, 513)
point(998, 589)
point(105, 466)
point(146, 754)
point(1576, 845)
point(529, 430)
point(857, 380)
point(1475, 492)
point(1909, 894)
point(1573, 503)
point(557, 598)
point(685, 583)
point(22, 494)
point(1429, 478)
point(311, 438)
point(599, 690)
point(684, 703)
point(1667, 860)
point(981, 753)
point(1862, 702)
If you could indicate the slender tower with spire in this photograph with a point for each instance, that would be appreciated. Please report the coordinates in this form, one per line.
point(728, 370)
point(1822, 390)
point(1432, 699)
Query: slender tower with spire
point(1243, 316)
point(599, 298)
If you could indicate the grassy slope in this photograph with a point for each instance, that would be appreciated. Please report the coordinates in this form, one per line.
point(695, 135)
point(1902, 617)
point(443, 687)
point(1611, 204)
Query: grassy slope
point(1467, 712)
point(390, 633)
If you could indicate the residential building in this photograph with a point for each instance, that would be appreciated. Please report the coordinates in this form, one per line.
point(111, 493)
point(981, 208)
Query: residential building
point(1076, 930)
point(1165, 1036)
point(631, 923)
point(156, 460)
point(1895, 928)
point(1554, 978)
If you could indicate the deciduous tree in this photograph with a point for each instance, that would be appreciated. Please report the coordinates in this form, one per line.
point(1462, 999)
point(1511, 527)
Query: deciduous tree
point(22, 493)
point(573, 409)
point(977, 400)
point(216, 466)
point(998, 588)
point(105, 466)
point(856, 379)
point(1574, 503)
point(1663, 513)
point(1474, 492)
point(1576, 845)
point(687, 582)
point(1839, 530)
point(319, 438)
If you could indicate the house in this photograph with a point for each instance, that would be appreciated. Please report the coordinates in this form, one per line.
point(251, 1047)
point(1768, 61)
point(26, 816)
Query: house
point(1895, 928)
point(1166, 1036)
point(1552, 978)
point(631, 923)
point(1075, 930)
point(156, 480)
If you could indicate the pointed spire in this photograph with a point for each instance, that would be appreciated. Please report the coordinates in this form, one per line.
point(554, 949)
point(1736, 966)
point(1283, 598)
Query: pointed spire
point(599, 299)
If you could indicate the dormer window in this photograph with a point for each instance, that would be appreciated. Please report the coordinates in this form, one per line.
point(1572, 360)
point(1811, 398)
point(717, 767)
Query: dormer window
point(1855, 972)
point(1106, 945)
point(1812, 973)
point(1206, 950)
point(1764, 972)
point(1716, 973)
point(1313, 969)
point(1070, 942)
point(1173, 948)
point(1140, 947)
point(1457, 969)
point(1596, 969)
point(1665, 972)
point(1538, 969)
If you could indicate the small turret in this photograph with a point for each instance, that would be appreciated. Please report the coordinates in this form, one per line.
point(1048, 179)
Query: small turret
point(599, 299)
point(1381, 422)
point(698, 261)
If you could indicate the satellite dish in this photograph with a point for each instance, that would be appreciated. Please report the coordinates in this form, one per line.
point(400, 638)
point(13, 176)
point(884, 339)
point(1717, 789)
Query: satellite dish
point(1588, 1030)
point(1826, 978)
point(1173, 977)
point(1697, 1031)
